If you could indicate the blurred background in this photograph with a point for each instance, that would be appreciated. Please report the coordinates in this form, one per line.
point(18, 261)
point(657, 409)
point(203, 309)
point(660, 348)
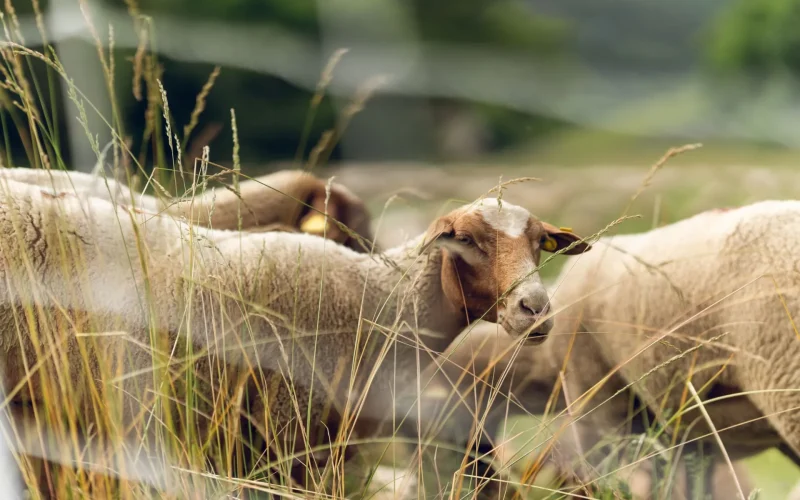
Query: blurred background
point(518, 87)
point(435, 100)
point(563, 82)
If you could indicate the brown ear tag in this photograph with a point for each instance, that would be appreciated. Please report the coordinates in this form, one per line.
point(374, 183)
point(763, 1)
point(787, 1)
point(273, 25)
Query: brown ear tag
point(314, 224)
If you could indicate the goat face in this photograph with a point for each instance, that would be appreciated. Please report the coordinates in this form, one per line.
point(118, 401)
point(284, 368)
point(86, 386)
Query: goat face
point(491, 252)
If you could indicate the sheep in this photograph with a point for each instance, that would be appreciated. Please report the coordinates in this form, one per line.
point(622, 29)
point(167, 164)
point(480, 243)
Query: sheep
point(275, 210)
point(495, 378)
point(687, 283)
point(136, 273)
point(720, 274)
point(711, 298)
point(285, 200)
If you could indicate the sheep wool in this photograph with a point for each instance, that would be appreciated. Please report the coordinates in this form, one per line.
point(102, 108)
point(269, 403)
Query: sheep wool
point(286, 200)
point(306, 329)
point(715, 296)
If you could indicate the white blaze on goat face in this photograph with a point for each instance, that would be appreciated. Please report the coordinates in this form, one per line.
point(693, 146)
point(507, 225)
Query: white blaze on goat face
point(503, 216)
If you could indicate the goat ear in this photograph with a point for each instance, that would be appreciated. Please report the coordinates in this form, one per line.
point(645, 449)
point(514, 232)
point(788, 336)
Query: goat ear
point(556, 238)
point(440, 230)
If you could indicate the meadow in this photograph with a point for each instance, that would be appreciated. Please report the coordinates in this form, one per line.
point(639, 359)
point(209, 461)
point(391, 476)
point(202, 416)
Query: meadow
point(583, 180)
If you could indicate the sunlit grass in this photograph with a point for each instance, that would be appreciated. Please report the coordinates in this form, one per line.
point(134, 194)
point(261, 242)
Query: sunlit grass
point(228, 457)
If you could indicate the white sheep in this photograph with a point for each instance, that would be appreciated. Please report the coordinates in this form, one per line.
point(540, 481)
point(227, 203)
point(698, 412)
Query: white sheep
point(487, 377)
point(721, 273)
point(712, 299)
point(281, 312)
point(284, 200)
point(714, 296)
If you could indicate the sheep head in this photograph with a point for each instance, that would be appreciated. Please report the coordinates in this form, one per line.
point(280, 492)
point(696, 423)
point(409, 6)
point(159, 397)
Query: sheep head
point(297, 201)
point(490, 251)
point(343, 206)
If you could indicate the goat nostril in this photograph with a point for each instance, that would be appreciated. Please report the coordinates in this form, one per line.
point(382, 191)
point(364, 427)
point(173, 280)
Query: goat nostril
point(531, 307)
point(527, 306)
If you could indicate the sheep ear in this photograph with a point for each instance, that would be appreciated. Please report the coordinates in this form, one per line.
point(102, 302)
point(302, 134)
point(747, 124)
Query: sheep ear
point(314, 221)
point(352, 210)
point(440, 230)
point(556, 239)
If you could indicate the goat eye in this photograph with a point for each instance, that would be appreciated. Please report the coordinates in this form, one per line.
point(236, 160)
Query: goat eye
point(463, 239)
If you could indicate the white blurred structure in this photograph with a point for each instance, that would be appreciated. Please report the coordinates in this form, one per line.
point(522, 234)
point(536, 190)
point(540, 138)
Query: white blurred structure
point(10, 480)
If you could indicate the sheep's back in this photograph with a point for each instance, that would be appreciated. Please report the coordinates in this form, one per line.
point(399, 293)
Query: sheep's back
point(645, 300)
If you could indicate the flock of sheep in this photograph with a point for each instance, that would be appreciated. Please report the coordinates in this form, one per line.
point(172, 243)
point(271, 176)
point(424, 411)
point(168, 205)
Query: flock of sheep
point(281, 303)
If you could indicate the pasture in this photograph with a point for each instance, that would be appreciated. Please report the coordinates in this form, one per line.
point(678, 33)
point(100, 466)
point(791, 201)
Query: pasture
point(74, 442)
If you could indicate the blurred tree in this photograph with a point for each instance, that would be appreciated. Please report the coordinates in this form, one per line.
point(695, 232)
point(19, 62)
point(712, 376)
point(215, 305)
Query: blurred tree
point(756, 39)
point(508, 24)
point(297, 15)
point(503, 25)
point(270, 112)
point(752, 57)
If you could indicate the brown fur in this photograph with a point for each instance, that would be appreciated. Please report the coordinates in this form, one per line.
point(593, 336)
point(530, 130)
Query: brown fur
point(286, 197)
point(714, 296)
point(641, 312)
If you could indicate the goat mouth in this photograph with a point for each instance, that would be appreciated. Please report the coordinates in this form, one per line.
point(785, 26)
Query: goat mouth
point(535, 338)
point(524, 327)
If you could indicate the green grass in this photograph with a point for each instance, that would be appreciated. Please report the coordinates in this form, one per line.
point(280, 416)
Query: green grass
point(774, 474)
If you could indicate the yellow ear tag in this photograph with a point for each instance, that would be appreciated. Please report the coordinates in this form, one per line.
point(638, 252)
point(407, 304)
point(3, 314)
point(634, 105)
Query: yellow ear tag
point(314, 224)
point(549, 244)
point(566, 229)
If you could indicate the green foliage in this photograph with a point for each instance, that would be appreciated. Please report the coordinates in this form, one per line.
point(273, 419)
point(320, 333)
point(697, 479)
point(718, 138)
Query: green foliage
point(510, 127)
point(295, 15)
point(504, 24)
point(273, 113)
point(756, 37)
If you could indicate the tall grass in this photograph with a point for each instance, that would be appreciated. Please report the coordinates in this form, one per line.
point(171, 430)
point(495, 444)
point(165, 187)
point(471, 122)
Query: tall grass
point(78, 425)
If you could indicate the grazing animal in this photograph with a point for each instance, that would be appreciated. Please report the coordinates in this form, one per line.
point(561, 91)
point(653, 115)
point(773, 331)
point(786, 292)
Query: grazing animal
point(489, 377)
point(270, 203)
point(303, 331)
point(715, 296)
point(712, 300)
point(286, 200)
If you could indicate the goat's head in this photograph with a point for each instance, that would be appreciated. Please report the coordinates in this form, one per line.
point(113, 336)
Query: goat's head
point(491, 251)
